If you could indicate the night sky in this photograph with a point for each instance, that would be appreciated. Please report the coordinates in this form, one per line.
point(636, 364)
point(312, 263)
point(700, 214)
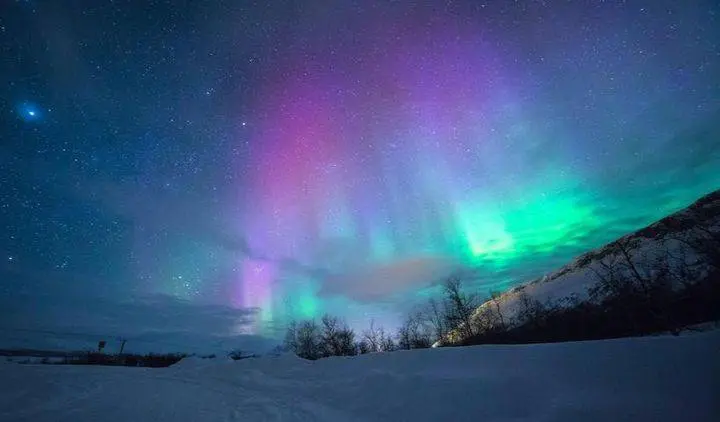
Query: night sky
point(179, 170)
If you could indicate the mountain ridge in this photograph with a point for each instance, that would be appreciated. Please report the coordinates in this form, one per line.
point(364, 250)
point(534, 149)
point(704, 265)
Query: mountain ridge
point(573, 282)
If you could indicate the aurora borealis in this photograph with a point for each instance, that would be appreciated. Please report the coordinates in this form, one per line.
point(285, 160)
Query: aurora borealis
point(297, 158)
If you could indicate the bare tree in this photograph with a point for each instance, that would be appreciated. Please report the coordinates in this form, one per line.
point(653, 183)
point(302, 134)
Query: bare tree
point(337, 339)
point(346, 342)
point(377, 339)
point(530, 312)
point(702, 238)
point(363, 347)
point(638, 288)
point(435, 316)
point(387, 344)
point(372, 337)
point(609, 281)
point(330, 326)
point(706, 242)
point(413, 333)
point(495, 299)
point(679, 269)
point(459, 307)
point(308, 340)
point(486, 319)
point(626, 248)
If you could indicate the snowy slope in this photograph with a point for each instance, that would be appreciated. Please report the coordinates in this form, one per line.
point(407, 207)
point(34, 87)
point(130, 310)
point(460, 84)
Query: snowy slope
point(640, 379)
point(576, 277)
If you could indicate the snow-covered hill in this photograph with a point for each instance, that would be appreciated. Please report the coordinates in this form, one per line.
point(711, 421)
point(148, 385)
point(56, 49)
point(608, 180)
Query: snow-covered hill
point(662, 378)
point(672, 234)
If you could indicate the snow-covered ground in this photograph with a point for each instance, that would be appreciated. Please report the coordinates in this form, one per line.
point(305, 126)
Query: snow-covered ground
point(662, 378)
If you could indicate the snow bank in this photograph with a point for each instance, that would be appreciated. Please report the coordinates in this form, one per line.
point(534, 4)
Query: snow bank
point(642, 379)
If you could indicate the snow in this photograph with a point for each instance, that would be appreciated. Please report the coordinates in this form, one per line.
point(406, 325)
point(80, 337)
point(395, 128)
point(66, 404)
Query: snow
point(662, 378)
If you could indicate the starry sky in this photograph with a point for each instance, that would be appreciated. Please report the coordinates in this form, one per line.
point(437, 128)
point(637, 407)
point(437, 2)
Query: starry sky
point(212, 169)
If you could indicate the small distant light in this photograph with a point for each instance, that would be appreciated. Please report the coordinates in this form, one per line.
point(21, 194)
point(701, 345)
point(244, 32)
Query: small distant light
point(31, 113)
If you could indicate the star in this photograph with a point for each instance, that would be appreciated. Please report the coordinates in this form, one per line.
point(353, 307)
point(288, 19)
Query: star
point(29, 112)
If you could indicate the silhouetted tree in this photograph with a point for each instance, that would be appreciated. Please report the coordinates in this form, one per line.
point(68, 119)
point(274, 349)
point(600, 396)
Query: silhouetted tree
point(459, 307)
point(337, 339)
point(363, 347)
point(308, 340)
point(387, 344)
point(372, 337)
point(435, 316)
point(413, 333)
point(495, 299)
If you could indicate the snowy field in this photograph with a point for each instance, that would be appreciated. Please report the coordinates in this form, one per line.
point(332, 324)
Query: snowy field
point(642, 379)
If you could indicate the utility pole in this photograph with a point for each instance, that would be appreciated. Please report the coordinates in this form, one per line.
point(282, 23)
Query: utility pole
point(120, 358)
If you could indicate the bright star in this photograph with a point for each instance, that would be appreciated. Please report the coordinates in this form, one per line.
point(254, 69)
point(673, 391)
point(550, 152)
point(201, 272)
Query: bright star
point(29, 112)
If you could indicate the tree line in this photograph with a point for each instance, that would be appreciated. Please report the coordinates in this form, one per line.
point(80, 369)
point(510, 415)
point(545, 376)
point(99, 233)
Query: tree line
point(420, 329)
